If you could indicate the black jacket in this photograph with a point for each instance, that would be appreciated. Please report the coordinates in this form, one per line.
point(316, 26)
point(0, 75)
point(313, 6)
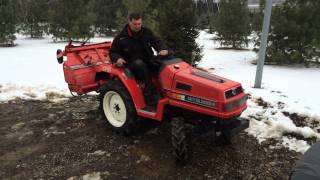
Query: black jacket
point(129, 45)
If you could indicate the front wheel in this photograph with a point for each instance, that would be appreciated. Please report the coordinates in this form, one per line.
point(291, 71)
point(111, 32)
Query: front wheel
point(180, 140)
point(117, 106)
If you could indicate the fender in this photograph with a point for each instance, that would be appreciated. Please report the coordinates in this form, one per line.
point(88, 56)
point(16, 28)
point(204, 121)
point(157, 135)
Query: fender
point(128, 80)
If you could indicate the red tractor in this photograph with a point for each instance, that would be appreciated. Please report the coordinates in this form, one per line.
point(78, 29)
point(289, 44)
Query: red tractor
point(195, 101)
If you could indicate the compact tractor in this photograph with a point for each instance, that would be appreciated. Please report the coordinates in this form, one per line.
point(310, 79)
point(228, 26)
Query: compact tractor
point(194, 101)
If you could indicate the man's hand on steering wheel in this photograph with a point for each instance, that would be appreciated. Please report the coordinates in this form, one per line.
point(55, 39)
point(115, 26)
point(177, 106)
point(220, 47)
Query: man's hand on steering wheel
point(157, 60)
point(163, 52)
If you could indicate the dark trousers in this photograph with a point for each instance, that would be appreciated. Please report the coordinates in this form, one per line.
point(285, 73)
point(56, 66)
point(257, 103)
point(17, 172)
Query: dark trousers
point(140, 69)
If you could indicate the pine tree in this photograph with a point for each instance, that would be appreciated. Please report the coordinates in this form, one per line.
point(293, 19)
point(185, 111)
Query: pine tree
point(72, 19)
point(106, 12)
point(152, 16)
point(8, 22)
point(203, 14)
point(144, 7)
point(177, 26)
point(294, 33)
point(34, 17)
point(232, 23)
point(256, 17)
point(205, 11)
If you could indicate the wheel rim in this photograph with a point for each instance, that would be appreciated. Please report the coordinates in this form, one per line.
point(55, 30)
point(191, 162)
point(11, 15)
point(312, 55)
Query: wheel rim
point(114, 109)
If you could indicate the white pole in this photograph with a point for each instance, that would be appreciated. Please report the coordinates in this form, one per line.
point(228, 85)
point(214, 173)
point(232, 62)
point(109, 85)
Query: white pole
point(263, 45)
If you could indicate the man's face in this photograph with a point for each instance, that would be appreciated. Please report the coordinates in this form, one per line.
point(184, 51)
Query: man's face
point(135, 24)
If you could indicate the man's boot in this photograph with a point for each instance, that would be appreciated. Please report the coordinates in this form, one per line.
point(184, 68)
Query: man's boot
point(151, 96)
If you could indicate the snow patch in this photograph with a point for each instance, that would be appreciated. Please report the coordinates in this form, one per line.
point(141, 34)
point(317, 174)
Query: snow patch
point(270, 122)
point(295, 145)
point(97, 153)
point(91, 176)
point(13, 91)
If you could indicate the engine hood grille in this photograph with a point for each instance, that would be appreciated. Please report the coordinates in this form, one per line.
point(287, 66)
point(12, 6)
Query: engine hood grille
point(207, 76)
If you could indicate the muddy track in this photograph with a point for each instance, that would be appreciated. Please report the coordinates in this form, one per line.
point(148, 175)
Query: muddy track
point(41, 139)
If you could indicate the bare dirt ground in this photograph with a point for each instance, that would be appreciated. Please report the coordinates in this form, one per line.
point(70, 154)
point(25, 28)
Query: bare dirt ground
point(42, 139)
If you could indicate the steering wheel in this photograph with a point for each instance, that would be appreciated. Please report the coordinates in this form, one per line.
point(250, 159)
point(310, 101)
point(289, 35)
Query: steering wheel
point(158, 59)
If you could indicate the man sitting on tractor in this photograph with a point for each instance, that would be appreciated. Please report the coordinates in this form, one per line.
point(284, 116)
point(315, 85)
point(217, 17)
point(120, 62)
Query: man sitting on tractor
point(132, 48)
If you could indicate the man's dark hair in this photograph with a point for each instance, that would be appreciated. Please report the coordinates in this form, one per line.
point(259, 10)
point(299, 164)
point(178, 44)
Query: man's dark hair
point(134, 16)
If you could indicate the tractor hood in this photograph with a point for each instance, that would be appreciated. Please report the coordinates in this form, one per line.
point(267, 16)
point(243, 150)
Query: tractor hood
point(180, 77)
point(196, 86)
point(203, 84)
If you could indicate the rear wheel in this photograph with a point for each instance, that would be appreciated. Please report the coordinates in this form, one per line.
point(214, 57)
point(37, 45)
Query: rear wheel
point(180, 140)
point(117, 106)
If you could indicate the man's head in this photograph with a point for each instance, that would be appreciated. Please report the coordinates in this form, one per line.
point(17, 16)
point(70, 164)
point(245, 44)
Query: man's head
point(135, 22)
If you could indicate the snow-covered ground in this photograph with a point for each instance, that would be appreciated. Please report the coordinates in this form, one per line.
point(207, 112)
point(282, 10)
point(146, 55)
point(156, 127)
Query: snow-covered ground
point(30, 71)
